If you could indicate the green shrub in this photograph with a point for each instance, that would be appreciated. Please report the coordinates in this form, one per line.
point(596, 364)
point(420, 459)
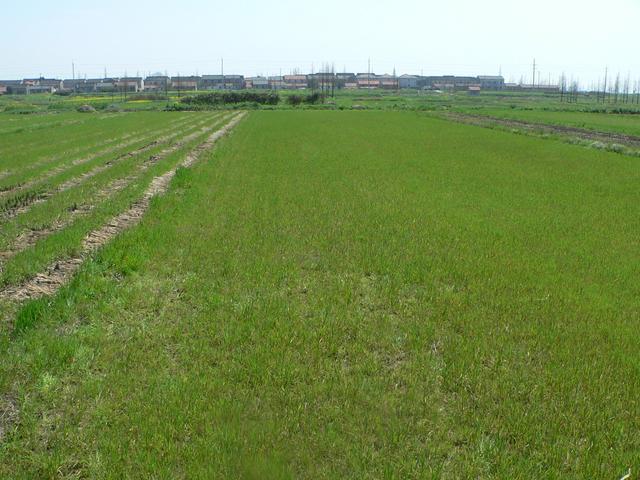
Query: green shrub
point(216, 98)
point(313, 99)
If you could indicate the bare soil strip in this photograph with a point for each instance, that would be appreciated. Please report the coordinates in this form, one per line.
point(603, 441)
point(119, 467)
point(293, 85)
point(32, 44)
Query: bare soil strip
point(29, 203)
point(8, 415)
point(61, 272)
point(31, 237)
point(130, 140)
point(544, 128)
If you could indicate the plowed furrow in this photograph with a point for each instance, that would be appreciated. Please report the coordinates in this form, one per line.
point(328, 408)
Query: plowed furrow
point(37, 198)
point(58, 274)
point(130, 140)
point(31, 237)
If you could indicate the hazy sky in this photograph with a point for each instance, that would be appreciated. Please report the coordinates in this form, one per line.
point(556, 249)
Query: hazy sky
point(266, 37)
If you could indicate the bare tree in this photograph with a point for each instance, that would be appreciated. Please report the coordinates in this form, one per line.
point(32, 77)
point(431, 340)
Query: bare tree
point(626, 88)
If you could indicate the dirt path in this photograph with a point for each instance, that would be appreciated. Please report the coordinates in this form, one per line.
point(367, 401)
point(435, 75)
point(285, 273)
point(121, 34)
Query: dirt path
point(581, 133)
point(59, 274)
point(31, 237)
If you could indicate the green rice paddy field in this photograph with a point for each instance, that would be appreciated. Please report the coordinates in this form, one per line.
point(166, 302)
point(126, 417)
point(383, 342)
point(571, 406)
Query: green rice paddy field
point(321, 295)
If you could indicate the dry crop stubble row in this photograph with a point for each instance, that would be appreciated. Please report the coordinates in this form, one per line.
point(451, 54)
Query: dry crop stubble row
point(68, 141)
point(30, 236)
point(91, 127)
point(33, 172)
point(50, 167)
point(58, 274)
point(43, 214)
point(79, 171)
point(26, 164)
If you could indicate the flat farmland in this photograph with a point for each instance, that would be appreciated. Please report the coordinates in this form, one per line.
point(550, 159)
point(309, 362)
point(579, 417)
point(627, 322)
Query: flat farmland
point(320, 295)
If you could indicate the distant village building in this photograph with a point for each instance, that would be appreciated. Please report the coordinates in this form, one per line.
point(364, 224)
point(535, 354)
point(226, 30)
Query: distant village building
point(320, 80)
point(157, 83)
point(45, 83)
point(30, 86)
point(211, 82)
point(388, 82)
point(234, 82)
point(9, 86)
point(41, 89)
point(295, 82)
point(73, 84)
point(491, 82)
point(104, 85)
point(261, 83)
point(185, 83)
point(367, 80)
point(18, 89)
point(276, 82)
point(222, 82)
point(346, 80)
point(130, 84)
point(408, 81)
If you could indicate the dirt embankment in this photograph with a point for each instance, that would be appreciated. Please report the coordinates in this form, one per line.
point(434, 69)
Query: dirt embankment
point(630, 141)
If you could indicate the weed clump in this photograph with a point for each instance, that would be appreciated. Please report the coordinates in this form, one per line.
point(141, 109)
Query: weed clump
point(297, 100)
point(86, 109)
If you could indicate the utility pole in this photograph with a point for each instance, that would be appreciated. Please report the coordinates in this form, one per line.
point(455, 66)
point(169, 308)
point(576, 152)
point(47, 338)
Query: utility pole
point(533, 84)
point(333, 80)
point(395, 78)
point(166, 88)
